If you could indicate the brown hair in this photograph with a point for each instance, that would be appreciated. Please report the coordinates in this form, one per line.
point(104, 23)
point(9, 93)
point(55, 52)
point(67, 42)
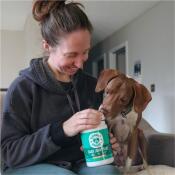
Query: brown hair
point(58, 18)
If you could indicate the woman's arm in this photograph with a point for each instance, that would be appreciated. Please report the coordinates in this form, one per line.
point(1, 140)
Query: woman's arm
point(19, 145)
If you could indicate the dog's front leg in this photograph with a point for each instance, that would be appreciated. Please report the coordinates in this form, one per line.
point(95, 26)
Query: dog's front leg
point(132, 148)
point(143, 147)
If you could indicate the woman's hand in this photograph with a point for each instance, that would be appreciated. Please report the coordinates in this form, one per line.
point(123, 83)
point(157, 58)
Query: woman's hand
point(80, 121)
point(114, 144)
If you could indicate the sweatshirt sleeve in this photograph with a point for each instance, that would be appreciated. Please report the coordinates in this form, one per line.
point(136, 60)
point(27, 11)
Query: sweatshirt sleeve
point(19, 146)
point(58, 136)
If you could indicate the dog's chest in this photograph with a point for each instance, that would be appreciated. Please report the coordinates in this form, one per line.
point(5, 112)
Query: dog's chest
point(131, 119)
point(123, 126)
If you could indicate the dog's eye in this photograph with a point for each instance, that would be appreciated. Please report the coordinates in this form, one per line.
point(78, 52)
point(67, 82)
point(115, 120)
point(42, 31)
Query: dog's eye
point(124, 100)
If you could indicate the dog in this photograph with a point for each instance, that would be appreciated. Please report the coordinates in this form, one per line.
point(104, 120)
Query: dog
point(124, 101)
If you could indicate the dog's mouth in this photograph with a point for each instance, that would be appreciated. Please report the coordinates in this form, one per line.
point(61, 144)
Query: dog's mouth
point(104, 111)
point(107, 113)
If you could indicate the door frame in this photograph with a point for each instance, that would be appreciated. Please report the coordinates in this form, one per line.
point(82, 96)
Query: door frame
point(112, 60)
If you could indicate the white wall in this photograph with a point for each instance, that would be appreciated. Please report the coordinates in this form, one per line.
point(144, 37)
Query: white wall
point(33, 39)
point(17, 49)
point(174, 64)
point(0, 58)
point(150, 39)
point(12, 55)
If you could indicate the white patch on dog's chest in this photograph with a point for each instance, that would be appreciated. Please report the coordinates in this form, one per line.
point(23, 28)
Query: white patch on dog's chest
point(131, 119)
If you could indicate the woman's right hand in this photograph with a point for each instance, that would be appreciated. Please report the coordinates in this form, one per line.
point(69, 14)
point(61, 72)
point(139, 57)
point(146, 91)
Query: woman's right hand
point(80, 121)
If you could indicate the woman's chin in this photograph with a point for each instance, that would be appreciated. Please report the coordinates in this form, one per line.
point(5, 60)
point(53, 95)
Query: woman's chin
point(72, 72)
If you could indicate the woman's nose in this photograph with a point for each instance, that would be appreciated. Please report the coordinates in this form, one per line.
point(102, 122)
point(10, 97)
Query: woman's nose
point(80, 61)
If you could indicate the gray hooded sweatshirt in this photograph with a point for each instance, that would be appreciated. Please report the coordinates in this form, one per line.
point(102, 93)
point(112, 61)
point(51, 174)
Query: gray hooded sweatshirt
point(36, 106)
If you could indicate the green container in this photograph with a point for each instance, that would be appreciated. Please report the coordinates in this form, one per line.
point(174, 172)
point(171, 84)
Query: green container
point(96, 146)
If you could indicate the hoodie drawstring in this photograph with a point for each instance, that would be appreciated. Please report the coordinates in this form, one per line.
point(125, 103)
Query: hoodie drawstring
point(77, 101)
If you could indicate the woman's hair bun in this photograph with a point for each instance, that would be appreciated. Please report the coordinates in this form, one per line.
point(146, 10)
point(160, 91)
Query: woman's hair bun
point(41, 8)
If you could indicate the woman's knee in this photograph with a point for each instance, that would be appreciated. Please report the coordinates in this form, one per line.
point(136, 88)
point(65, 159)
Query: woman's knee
point(43, 169)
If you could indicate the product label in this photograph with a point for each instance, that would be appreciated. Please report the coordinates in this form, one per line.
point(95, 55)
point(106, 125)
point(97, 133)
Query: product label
point(96, 145)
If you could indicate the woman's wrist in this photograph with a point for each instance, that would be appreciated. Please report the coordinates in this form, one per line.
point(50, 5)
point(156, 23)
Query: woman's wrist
point(58, 135)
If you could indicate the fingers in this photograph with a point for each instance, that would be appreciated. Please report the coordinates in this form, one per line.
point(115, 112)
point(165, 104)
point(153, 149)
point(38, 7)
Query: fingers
point(90, 114)
point(115, 145)
point(81, 121)
point(112, 139)
point(88, 119)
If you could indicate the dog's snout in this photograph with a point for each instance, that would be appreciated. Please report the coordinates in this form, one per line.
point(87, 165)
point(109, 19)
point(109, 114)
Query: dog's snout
point(103, 110)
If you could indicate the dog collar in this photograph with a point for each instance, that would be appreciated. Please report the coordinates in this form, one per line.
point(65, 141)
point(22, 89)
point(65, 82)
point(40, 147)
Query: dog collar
point(124, 113)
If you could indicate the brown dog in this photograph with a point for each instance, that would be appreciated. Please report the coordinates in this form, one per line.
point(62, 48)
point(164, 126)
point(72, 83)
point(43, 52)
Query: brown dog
point(123, 104)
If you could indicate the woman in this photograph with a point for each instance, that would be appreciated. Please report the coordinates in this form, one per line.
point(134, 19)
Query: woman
point(53, 100)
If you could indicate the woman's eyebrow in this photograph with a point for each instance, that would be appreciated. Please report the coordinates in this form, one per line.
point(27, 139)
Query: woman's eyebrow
point(70, 53)
point(74, 53)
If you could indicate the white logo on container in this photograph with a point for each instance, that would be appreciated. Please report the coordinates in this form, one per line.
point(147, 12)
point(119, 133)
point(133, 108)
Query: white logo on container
point(96, 140)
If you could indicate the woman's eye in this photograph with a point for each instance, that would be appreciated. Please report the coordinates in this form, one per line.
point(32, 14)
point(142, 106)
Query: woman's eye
point(86, 53)
point(70, 56)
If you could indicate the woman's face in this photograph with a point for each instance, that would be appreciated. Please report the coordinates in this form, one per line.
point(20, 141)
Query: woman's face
point(71, 53)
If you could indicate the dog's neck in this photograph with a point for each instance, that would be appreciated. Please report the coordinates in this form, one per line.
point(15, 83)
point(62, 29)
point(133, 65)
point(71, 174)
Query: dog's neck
point(130, 121)
point(125, 112)
point(132, 118)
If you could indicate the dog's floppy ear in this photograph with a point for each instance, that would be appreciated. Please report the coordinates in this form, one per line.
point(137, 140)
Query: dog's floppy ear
point(104, 78)
point(142, 97)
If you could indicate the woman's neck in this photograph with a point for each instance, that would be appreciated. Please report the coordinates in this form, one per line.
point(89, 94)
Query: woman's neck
point(58, 75)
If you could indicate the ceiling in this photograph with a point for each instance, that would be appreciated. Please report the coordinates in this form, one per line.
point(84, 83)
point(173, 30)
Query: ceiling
point(106, 16)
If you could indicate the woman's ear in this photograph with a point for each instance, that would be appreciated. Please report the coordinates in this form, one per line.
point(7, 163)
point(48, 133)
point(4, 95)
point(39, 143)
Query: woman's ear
point(45, 45)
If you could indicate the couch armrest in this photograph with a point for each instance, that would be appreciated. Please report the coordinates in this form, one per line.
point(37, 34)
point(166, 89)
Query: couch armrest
point(161, 149)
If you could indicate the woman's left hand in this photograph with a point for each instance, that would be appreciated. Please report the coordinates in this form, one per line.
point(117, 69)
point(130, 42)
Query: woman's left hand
point(114, 144)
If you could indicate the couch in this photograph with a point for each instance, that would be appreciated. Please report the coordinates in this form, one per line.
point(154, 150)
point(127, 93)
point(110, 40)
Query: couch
point(161, 146)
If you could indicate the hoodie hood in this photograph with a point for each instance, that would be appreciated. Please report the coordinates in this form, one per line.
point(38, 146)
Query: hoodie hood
point(40, 73)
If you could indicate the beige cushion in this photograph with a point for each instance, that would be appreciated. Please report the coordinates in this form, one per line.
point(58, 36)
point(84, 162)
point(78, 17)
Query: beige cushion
point(152, 170)
point(157, 170)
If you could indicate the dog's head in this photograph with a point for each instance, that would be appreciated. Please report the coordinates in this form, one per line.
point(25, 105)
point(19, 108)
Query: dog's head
point(121, 93)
